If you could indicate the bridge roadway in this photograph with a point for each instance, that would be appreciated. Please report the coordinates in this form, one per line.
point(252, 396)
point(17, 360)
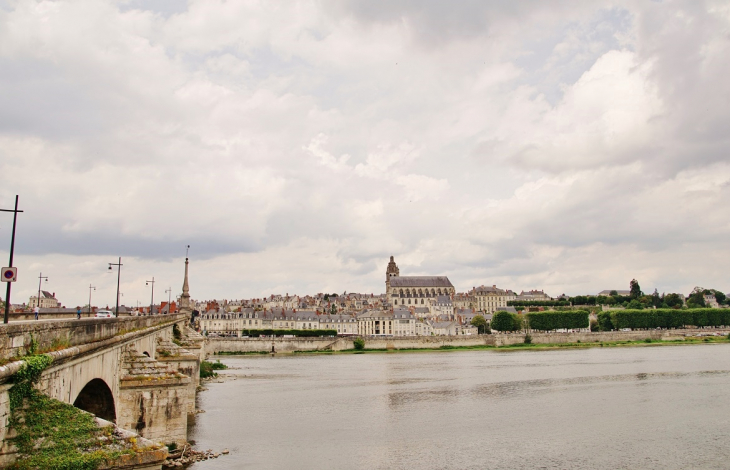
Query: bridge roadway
point(127, 370)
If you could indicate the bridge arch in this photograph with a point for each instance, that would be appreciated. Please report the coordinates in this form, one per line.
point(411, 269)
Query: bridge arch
point(96, 397)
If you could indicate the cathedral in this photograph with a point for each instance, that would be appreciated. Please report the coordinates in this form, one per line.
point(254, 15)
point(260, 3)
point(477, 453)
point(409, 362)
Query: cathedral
point(414, 290)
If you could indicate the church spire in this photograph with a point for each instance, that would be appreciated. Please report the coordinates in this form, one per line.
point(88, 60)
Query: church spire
point(185, 306)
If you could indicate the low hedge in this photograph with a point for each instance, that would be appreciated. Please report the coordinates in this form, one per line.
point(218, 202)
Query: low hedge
point(271, 332)
point(556, 320)
point(664, 318)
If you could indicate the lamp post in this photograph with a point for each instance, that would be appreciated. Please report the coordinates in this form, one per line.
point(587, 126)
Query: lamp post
point(169, 298)
point(38, 299)
point(152, 300)
point(119, 276)
point(90, 289)
point(12, 249)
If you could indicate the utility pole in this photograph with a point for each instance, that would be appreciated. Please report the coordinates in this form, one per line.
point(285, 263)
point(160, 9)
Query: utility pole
point(12, 249)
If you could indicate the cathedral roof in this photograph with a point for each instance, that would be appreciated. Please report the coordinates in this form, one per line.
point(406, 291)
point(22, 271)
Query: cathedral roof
point(420, 281)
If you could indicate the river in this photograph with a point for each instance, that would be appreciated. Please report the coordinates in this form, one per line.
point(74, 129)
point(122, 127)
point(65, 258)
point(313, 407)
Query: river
point(602, 408)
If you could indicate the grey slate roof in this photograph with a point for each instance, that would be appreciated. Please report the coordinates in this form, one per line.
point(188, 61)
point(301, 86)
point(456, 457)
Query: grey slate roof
point(619, 292)
point(420, 281)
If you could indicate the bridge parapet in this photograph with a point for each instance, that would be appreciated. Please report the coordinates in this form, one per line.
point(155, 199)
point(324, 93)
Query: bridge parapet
point(16, 338)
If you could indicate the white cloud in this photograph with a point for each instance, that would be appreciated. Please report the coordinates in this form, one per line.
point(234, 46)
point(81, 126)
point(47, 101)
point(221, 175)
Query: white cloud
point(297, 145)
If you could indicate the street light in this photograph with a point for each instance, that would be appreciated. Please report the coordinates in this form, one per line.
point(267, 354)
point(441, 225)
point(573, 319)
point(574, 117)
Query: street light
point(152, 301)
point(90, 289)
point(38, 299)
point(119, 276)
point(169, 298)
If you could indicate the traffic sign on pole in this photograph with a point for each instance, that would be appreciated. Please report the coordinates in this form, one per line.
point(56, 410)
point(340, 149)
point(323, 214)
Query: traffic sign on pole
point(9, 274)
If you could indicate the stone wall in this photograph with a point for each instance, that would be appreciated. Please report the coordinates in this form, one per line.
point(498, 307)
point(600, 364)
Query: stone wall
point(7, 454)
point(15, 338)
point(284, 345)
point(187, 365)
point(156, 410)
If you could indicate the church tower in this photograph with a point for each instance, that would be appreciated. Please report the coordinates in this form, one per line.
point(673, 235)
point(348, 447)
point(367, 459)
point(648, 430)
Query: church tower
point(392, 271)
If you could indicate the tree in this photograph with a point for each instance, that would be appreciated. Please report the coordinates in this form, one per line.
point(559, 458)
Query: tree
point(613, 293)
point(635, 305)
point(635, 289)
point(656, 301)
point(504, 321)
point(673, 300)
point(696, 299)
point(720, 297)
point(480, 323)
point(333, 309)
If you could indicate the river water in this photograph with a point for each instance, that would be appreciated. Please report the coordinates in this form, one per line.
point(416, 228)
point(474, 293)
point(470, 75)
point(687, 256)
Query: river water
point(600, 408)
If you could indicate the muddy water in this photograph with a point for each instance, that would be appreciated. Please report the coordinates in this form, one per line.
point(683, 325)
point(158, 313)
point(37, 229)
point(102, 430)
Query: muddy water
point(601, 408)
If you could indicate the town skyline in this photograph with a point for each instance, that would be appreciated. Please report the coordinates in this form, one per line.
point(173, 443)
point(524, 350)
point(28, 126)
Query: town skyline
point(162, 296)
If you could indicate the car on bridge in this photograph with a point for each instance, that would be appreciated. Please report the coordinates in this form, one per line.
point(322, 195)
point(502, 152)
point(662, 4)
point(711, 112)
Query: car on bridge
point(104, 314)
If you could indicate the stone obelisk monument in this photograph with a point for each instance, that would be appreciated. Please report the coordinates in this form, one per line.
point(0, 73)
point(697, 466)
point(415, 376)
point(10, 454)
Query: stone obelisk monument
point(185, 304)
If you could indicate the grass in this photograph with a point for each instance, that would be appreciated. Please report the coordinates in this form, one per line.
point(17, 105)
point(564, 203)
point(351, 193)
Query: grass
point(56, 435)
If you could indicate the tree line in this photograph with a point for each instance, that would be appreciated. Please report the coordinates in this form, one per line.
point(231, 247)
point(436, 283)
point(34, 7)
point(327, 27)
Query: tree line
point(636, 300)
point(663, 318)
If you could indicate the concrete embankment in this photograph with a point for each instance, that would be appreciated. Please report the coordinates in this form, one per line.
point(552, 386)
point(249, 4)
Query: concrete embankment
point(289, 345)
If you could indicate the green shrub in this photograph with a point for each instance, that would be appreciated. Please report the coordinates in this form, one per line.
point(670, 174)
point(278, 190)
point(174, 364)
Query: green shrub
point(604, 321)
point(217, 365)
point(176, 333)
point(528, 339)
point(552, 320)
point(647, 340)
point(206, 370)
point(505, 321)
point(359, 344)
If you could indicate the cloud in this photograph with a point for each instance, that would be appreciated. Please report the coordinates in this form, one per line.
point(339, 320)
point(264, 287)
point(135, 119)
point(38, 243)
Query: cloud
point(297, 145)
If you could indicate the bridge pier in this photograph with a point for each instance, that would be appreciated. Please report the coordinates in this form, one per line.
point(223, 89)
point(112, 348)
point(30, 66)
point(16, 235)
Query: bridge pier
point(154, 399)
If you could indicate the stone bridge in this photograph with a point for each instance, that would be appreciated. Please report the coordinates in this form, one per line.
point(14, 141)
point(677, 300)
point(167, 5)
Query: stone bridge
point(139, 372)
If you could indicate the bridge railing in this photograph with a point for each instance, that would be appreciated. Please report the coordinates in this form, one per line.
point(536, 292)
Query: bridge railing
point(17, 339)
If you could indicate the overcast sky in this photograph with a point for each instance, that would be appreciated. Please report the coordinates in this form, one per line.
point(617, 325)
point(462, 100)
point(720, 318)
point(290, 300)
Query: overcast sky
point(565, 146)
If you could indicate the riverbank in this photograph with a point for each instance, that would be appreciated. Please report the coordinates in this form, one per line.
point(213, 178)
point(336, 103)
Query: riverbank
point(259, 346)
point(509, 347)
